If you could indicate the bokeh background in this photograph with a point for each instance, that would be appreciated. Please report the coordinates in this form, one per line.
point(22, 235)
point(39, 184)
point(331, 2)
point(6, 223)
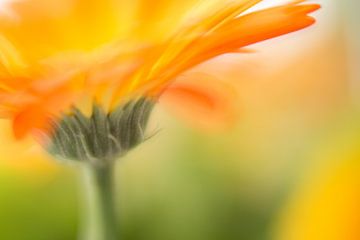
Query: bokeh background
point(288, 169)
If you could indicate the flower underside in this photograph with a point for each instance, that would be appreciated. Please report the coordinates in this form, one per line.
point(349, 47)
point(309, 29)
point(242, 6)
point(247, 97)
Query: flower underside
point(102, 137)
point(55, 54)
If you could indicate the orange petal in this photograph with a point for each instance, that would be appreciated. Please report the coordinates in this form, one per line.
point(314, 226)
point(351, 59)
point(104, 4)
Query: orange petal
point(265, 24)
point(203, 101)
point(31, 118)
point(237, 33)
point(35, 115)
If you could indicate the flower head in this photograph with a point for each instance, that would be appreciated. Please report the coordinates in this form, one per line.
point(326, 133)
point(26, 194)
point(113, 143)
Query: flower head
point(57, 54)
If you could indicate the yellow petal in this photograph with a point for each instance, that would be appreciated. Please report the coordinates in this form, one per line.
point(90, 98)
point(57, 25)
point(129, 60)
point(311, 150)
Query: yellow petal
point(11, 61)
point(43, 28)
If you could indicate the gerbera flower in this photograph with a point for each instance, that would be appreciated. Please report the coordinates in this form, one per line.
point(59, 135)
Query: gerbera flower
point(56, 53)
point(85, 74)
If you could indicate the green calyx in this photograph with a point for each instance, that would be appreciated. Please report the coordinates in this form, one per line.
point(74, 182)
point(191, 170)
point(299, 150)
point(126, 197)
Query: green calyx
point(102, 137)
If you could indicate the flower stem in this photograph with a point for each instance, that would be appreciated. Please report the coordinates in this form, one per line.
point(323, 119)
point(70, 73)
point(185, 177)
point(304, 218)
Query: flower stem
point(99, 213)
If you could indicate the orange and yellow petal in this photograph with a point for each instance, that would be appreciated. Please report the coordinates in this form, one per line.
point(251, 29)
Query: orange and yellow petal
point(225, 32)
point(113, 50)
point(203, 101)
point(243, 31)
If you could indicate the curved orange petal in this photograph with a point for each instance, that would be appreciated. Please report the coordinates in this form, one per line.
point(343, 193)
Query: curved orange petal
point(29, 119)
point(203, 18)
point(34, 112)
point(203, 101)
point(234, 34)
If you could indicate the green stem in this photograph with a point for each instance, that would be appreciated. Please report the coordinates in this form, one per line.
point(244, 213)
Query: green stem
point(99, 214)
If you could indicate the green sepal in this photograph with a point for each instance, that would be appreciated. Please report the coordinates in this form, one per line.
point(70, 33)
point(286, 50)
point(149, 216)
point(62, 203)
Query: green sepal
point(103, 136)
